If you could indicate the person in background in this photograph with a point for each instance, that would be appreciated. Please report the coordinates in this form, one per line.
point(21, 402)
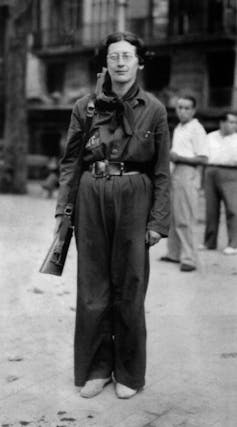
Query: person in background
point(50, 184)
point(122, 209)
point(220, 183)
point(189, 151)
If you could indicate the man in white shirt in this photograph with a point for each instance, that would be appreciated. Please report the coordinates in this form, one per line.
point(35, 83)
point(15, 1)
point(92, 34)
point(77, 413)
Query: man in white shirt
point(189, 150)
point(221, 183)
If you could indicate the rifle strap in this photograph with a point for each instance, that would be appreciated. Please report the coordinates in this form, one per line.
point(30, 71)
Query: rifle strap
point(78, 167)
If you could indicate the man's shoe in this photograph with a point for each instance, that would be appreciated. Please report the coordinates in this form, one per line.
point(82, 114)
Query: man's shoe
point(202, 247)
point(124, 392)
point(230, 251)
point(94, 387)
point(205, 248)
point(187, 267)
point(166, 258)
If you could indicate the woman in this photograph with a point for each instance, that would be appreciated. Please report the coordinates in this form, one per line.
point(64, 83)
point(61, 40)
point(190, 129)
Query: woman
point(122, 209)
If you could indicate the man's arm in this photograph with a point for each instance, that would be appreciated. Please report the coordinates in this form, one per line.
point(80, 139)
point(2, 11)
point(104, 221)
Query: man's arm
point(192, 161)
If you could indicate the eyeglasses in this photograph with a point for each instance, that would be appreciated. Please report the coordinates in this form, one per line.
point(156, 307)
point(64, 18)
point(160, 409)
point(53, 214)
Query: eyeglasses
point(126, 56)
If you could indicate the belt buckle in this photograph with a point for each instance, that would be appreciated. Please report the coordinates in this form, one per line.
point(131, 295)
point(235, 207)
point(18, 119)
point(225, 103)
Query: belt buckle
point(119, 166)
point(100, 168)
point(103, 168)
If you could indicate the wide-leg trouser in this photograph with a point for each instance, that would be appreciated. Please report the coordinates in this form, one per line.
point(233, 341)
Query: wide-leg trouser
point(220, 184)
point(182, 245)
point(113, 271)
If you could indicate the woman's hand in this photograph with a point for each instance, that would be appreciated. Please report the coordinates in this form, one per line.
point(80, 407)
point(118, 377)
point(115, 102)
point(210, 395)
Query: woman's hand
point(152, 237)
point(58, 223)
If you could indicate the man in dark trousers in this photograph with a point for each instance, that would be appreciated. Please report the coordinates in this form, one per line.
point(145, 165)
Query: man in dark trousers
point(122, 209)
point(221, 182)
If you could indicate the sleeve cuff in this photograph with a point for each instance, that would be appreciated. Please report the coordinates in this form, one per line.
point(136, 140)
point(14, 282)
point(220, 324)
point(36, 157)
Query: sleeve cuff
point(163, 231)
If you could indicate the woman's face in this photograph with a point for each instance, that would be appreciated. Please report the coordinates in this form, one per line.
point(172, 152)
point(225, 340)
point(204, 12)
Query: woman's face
point(122, 62)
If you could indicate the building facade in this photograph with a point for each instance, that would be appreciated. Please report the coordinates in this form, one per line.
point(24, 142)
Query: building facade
point(3, 28)
point(192, 45)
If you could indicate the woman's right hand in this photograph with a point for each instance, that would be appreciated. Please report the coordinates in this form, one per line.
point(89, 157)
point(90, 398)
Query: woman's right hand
point(58, 223)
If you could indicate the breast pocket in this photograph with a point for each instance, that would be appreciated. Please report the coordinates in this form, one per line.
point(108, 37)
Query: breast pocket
point(145, 144)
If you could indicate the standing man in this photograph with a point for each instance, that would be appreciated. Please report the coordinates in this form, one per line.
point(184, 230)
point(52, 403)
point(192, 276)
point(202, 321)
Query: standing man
point(122, 209)
point(220, 183)
point(189, 150)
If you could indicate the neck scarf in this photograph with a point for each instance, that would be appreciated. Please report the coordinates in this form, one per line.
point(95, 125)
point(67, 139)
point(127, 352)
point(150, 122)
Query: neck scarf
point(119, 110)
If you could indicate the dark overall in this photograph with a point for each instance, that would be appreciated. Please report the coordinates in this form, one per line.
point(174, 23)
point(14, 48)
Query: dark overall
point(111, 219)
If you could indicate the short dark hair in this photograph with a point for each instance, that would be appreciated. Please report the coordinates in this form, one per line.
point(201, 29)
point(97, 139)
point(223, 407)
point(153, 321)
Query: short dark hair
point(224, 116)
point(119, 36)
point(189, 98)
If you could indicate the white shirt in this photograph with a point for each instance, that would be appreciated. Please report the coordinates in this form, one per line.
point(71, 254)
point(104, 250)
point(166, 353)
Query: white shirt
point(189, 139)
point(222, 149)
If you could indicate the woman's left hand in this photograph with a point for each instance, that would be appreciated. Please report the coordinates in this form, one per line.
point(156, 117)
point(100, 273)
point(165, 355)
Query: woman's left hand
point(152, 237)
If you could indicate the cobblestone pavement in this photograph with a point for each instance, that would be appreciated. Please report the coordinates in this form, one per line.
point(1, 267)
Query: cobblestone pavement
point(192, 335)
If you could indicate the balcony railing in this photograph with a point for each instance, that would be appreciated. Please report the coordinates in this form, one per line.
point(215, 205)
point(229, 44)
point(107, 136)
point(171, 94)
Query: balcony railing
point(222, 22)
point(89, 35)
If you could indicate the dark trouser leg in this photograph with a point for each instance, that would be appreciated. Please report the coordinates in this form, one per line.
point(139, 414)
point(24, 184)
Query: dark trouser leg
point(93, 349)
point(228, 184)
point(130, 272)
point(213, 199)
point(173, 242)
point(113, 274)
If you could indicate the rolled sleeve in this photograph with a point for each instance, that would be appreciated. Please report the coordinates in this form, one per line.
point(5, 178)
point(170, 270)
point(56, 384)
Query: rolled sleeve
point(200, 141)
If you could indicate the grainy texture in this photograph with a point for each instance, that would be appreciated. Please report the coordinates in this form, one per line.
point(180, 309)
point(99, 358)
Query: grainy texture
point(192, 335)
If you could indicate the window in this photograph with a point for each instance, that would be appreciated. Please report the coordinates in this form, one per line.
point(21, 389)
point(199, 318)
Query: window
point(36, 16)
point(73, 14)
point(230, 15)
point(50, 144)
point(3, 16)
point(102, 18)
point(186, 16)
point(157, 73)
point(65, 16)
point(221, 78)
point(215, 16)
point(55, 77)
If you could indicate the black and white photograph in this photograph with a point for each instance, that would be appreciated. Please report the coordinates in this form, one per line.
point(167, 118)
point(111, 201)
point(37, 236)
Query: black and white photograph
point(118, 213)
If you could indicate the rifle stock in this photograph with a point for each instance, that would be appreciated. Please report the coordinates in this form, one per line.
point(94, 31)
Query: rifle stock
point(56, 256)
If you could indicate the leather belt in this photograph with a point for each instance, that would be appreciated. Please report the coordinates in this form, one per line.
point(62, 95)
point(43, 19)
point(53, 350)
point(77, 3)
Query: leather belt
point(212, 165)
point(105, 168)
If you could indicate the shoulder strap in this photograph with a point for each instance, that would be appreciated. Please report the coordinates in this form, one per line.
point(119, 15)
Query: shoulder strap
point(78, 168)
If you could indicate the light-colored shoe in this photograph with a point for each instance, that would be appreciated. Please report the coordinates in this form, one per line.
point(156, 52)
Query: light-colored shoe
point(202, 247)
point(94, 387)
point(124, 392)
point(230, 251)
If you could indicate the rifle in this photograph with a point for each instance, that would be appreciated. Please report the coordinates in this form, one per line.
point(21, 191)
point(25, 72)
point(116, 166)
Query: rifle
point(56, 256)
